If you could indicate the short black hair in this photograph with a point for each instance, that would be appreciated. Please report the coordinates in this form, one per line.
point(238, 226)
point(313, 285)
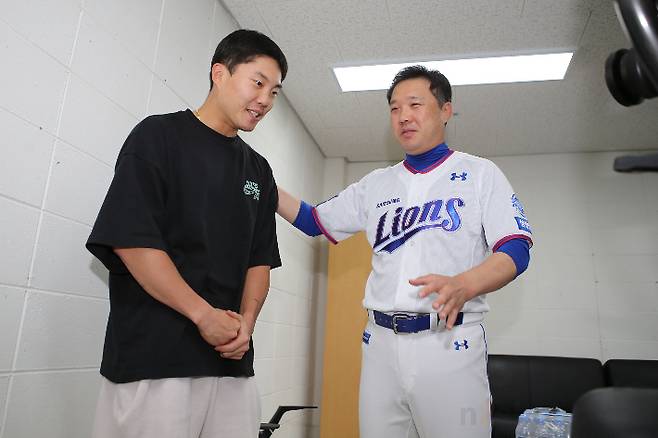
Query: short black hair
point(439, 84)
point(242, 46)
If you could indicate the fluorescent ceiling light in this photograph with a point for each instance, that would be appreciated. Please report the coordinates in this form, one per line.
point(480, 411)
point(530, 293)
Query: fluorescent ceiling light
point(495, 70)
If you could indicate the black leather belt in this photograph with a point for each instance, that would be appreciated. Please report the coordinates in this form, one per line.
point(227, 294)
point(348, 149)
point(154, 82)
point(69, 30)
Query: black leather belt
point(408, 323)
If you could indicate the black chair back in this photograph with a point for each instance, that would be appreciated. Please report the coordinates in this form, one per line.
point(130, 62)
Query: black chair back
point(616, 413)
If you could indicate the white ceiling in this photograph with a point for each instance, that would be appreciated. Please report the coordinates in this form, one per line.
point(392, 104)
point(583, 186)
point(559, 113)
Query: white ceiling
point(574, 115)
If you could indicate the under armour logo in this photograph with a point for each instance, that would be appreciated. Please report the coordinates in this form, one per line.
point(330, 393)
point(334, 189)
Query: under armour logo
point(455, 176)
point(251, 188)
point(461, 345)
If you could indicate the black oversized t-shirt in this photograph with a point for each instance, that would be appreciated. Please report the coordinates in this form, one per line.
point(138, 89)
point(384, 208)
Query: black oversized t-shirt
point(209, 202)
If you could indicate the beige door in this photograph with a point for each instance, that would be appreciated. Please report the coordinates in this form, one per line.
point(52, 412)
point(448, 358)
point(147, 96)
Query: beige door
point(349, 266)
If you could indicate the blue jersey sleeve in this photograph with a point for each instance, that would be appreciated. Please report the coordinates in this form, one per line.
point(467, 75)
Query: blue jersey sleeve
point(519, 250)
point(305, 221)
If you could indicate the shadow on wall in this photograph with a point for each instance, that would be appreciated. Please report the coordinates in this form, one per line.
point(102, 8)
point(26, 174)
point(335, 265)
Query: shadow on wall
point(99, 271)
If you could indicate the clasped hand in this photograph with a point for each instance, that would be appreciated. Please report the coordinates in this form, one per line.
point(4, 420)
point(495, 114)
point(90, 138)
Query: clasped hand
point(227, 331)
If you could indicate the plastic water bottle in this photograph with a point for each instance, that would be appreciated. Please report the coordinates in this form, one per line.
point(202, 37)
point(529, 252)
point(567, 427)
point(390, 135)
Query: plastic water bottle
point(523, 426)
point(544, 423)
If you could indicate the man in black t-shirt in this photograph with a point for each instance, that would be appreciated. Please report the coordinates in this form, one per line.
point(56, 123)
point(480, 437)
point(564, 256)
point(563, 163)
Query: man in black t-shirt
point(187, 232)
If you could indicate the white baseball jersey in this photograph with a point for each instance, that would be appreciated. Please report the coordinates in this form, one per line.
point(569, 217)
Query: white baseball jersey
point(444, 220)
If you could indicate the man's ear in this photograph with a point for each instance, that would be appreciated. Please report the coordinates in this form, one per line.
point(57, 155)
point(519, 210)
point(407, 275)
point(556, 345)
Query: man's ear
point(446, 112)
point(218, 72)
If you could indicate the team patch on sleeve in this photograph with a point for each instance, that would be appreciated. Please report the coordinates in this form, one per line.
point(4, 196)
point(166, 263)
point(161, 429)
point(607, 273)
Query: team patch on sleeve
point(516, 203)
point(521, 220)
point(523, 224)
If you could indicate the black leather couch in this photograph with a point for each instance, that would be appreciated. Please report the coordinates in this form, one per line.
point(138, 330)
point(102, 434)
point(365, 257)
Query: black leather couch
point(521, 382)
point(616, 412)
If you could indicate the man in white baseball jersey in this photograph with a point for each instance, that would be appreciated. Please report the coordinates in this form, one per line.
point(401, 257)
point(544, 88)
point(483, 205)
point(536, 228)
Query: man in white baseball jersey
point(446, 228)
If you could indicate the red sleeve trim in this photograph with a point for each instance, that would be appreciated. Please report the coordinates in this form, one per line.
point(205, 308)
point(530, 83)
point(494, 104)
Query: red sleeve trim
point(506, 239)
point(322, 228)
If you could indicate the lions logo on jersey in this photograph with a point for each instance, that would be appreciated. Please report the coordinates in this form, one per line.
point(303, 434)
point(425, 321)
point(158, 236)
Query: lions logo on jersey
point(393, 232)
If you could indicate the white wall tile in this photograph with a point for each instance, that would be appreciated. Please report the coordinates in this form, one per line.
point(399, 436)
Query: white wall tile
point(264, 372)
point(78, 185)
point(286, 307)
point(26, 152)
point(18, 228)
point(49, 25)
point(62, 331)
point(626, 240)
point(313, 177)
point(269, 309)
point(283, 340)
point(299, 264)
point(505, 324)
point(610, 268)
point(510, 296)
point(633, 326)
point(163, 100)
point(279, 277)
point(650, 182)
point(268, 405)
point(183, 54)
point(22, 75)
point(563, 281)
point(56, 405)
point(276, 139)
point(264, 339)
point(301, 373)
point(629, 349)
point(63, 263)
point(282, 373)
point(523, 345)
point(134, 24)
point(569, 237)
point(93, 123)
point(4, 386)
point(302, 345)
point(627, 297)
point(571, 346)
point(11, 309)
point(302, 311)
point(611, 185)
point(629, 211)
point(567, 323)
point(101, 61)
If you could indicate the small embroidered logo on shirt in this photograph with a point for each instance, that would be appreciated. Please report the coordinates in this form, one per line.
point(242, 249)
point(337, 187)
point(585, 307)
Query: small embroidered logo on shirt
point(251, 188)
point(463, 345)
point(454, 176)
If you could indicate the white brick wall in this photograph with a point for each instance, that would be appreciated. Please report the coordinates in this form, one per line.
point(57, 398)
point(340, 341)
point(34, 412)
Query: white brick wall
point(592, 286)
point(76, 77)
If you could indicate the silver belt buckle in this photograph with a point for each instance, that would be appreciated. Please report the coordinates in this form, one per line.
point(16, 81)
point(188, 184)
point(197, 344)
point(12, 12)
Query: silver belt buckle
point(396, 317)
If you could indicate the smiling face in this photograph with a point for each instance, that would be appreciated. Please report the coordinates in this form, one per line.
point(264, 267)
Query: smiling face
point(417, 118)
point(245, 96)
